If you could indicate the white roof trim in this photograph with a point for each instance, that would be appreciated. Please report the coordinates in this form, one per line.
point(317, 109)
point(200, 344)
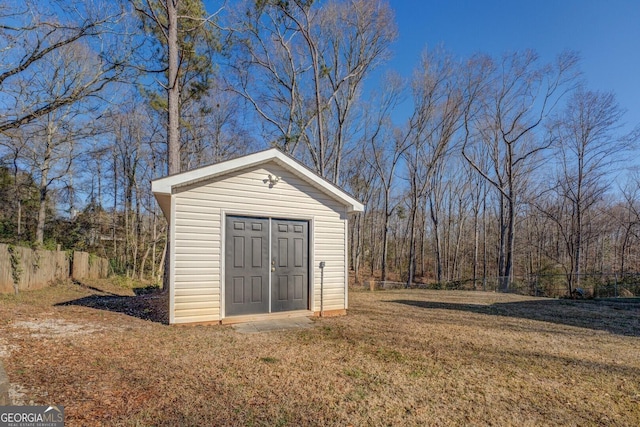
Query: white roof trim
point(164, 186)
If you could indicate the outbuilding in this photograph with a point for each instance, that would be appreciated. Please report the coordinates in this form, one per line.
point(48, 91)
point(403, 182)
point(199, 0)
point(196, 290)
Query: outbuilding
point(259, 236)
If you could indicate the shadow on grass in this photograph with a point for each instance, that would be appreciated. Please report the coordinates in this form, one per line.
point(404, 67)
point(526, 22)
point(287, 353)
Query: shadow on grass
point(148, 303)
point(616, 316)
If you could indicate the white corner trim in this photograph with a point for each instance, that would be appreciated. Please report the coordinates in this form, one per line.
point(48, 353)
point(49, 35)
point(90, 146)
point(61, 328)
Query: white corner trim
point(312, 263)
point(221, 278)
point(170, 257)
point(346, 261)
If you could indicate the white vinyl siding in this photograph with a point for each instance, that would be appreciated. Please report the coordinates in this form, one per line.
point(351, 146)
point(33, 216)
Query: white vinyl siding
point(199, 208)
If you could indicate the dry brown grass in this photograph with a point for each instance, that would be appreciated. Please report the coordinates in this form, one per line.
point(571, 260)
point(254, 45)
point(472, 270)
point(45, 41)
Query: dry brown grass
point(399, 358)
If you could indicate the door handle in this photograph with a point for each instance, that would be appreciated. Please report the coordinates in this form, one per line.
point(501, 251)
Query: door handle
point(273, 269)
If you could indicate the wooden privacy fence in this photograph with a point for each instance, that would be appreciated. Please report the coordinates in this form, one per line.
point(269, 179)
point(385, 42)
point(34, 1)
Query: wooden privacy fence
point(87, 266)
point(23, 269)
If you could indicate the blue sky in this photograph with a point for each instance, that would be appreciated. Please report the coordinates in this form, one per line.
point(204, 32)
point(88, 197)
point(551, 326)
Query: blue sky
point(606, 33)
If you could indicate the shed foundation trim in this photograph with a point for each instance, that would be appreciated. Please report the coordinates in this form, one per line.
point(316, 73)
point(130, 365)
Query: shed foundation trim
point(270, 316)
point(330, 313)
point(231, 320)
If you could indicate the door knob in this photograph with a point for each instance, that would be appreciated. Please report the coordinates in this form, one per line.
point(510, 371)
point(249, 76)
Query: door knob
point(273, 269)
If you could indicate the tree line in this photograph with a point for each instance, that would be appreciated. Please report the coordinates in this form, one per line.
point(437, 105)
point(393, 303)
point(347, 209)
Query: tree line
point(471, 168)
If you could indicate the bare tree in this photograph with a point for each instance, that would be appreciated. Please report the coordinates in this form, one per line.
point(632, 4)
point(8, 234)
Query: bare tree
point(478, 195)
point(361, 179)
point(33, 33)
point(520, 96)
point(217, 128)
point(589, 145)
point(438, 104)
point(435, 199)
point(387, 145)
point(21, 198)
point(301, 67)
point(128, 153)
point(356, 38)
point(51, 143)
point(631, 219)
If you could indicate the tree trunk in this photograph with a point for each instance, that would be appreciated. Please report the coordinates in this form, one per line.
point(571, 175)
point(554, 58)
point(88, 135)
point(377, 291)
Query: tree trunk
point(173, 105)
point(436, 236)
point(484, 241)
point(173, 90)
point(476, 237)
point(578, 245)
point(459, 245)
point(154, 227)
point(412, 243)
point(372, 237)
point(114, 223)
point(503, 285)
point(44, 185)
point(423, 225)
point(385, 234)
point(19, 220)
point(143, 262)
point(163, 266)
point(508, 269)
point(42, 210)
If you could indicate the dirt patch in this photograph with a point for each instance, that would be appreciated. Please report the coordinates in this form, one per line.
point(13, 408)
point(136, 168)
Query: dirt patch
point(18, 394)
point(50, 328)
point(6, 348)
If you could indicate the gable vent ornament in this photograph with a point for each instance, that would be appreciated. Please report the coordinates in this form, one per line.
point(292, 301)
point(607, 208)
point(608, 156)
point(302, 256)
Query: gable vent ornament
point(273, 180)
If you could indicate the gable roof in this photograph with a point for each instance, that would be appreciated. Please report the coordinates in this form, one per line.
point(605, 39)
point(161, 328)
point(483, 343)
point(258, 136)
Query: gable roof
point(162, 187)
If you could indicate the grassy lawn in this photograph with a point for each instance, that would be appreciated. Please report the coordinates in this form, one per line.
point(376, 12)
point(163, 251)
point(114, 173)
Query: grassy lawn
point(409, 357)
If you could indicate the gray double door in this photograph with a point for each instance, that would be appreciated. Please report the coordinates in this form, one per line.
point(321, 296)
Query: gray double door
point(266, 265)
